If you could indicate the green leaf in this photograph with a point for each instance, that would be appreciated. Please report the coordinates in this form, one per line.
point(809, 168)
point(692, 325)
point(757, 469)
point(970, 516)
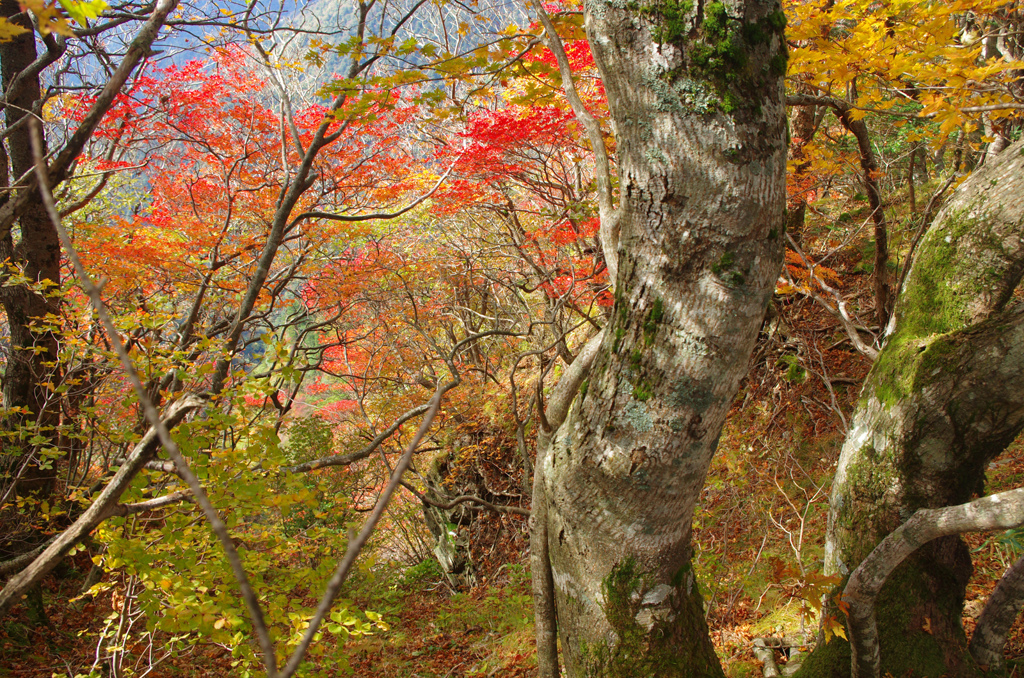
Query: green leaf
point(83, 10)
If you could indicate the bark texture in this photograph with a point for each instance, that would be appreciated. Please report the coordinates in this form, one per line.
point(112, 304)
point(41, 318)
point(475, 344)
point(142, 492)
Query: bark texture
point(35, 255)
point(998, 617)
point(941, 401)
point(695, 95)
point(1000, 511)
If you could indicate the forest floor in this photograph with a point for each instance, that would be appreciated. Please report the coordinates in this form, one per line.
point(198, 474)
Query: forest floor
point(436, 632)
point(759, 536)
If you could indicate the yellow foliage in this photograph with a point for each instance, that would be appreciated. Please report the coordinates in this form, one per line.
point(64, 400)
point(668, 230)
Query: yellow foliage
point(900, 53)
point(9, 31)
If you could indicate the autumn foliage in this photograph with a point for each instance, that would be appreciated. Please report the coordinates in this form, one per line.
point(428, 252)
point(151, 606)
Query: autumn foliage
point(448, 231)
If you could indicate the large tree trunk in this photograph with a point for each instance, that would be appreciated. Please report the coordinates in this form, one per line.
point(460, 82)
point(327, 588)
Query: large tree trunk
point(35, 254)
point(695, 93)
point(942, 400)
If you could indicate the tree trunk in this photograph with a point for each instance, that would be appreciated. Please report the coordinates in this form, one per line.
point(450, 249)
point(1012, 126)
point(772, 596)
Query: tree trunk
point(1000, 511)
point(868, 163)
point(802, 127)
point(35, 256)
point(1001, 611)
point(942, 400)
point(695, 93)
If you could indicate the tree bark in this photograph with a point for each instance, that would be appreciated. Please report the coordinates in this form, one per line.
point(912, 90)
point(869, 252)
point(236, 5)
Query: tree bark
point(695, 95)
point(545, 623)
point(869, 165)
point(997, 618)
point(35, 256)
point(802, 127)
point(941, 401)
point(1001, 511)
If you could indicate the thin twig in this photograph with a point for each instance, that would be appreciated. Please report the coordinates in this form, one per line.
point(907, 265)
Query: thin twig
point(852, 327)
point(609, 215)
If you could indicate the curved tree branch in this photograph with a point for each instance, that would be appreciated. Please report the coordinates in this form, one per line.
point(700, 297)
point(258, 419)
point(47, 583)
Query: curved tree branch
point(466, 498)
point(565, 390)
point(998, 617)
point(562, 396)
point(376, 216)
point(998, 511)
point(346, 459)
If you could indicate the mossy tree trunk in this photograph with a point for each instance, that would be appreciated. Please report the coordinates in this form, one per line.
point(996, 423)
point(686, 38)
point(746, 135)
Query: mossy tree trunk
point(35, 255)
point(695, 94)
point(942, 400)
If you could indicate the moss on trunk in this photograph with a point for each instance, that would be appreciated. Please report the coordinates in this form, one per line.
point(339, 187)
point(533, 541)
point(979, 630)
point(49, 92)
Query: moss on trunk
point(941, 401)
point(650, 637)
point(919, 626)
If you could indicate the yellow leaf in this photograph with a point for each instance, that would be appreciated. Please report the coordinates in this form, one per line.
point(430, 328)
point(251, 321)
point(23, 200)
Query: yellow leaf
point(832, 628)
point(49, 17)
point(83, 10)
point(9, 31)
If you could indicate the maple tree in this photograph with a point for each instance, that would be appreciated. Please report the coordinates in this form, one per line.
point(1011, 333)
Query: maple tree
point(316, 268)
point(230, 194)
point(222, 187)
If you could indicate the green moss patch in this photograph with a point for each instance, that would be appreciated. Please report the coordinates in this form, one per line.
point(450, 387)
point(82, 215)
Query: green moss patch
point(670, 647)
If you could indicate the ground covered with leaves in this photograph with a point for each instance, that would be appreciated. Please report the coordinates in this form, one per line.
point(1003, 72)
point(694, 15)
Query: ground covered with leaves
point(751, 550)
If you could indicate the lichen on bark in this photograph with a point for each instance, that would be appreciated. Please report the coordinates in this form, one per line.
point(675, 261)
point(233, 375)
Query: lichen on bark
point(717, 56)
point(698, 185)
point(940, 402)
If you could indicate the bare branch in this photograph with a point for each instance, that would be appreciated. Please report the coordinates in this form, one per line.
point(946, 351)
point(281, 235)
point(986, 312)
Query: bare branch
point(356, 545)
point(466, 498)
point(57, 171)
point(376, 216)
point(562, 395)
point(1000, 511)
point(346, 459)
point(811, 100)
point(18, 563)
point(852, 328)
point(999, 615)
point(602, 165)
point(150, 504)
